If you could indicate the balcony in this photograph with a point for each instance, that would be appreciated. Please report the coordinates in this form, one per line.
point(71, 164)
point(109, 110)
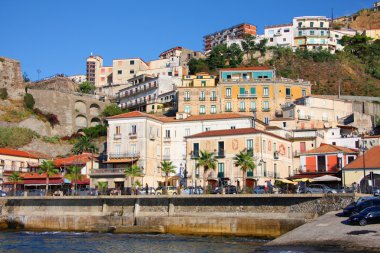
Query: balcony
point(117, 136)
point(241, 109)
point(152, 137)
point(266, 109)
point(220, 154)
point(132, 135)
point(220, 174)
point(124, 155)
point(276, 155)
point(186, 99)
point(194, 155)
point(247, 96)
point(213, 98)
point(167, 139)
point(304, 117)
point(108, 172)
point(228, 96)
point(166, 157)
point(202, 98)
point(228, 110)
point(253, 110)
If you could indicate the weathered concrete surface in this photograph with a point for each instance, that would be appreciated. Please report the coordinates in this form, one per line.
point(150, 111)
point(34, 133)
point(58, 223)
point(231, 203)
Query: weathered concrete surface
point(330, 232)
point(238, 215)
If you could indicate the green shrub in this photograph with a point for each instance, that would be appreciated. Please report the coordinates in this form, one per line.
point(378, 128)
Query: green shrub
point(86, 87)
point(96, 131)
point(3, 93)
point(15, 137)
point(113, 109)
point(29, 101)
point(52, 139)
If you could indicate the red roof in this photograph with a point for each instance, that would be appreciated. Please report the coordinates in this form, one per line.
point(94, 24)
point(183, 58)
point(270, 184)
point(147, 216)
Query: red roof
point(20, 153)
point(137, 114)
point(371, 160)
point(248, 68)
point(73, 160)
point(238, 131)
point(42, 181)
point(35, 175)
point(328, 148)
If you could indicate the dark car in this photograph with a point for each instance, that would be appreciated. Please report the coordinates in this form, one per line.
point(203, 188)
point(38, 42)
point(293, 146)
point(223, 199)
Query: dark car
point(368, 215)
point(348, 209)
point(354, 209)
point(193, 190)
point(228, 189)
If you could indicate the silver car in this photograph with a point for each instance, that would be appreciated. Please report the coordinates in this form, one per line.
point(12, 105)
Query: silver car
point(319, 188)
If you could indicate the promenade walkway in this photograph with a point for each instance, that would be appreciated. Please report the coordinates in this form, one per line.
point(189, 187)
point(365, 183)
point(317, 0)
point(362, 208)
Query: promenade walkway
point(329, 233)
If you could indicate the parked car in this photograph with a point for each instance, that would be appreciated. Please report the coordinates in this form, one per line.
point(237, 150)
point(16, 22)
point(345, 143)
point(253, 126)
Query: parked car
point(348, 209)
point(368, 215)
point(36, 192)
point(228, 189)
point(376, 191)
point(87, 192)
point(142, 191)
point(319, 188)
point(260, 189)
point(170, 190)
point(3, 193)
point(193, 190)
point(351, 210)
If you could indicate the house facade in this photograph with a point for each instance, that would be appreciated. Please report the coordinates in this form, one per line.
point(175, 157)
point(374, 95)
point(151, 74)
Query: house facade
point(279, 35)
point(311, 32)
point(272, 155)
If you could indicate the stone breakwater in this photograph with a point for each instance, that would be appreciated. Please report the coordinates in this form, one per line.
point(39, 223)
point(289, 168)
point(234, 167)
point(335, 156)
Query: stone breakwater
point(266, 216)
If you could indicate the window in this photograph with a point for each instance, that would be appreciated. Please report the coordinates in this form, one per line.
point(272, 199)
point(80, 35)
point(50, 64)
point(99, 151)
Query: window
point(264, 146)
point(253, 90)
point(242, 106)
point(220, 169)
point(131, 62)
point(266, 91)
point(233, 127)
point(228, 107)
point(321, 24)
point(119, 72)
point(253, 105)
point(228, 92)
point(271, 32)
point(187, 131)
point(266, 120)
point(299, 33)
point(312, 32)
point(133, 148)
point(213, 94)
point(266, 104)
point(170, 73)
point(242, 90)
point(288, 152)
point(250, 146)
point(322, 33)
point(286, 30)
point(303, 92)
point(270, 39)
point(117, 130)
point(274, 147)
point(187, 108)
point(196, 149)
point(299, 24)
point(288, 92)
point(187, 95)
point(167, 133)
point(213, 109)
point(203, 83)
point(202, 109)
point(133, 129)
point(208, 129)
point(275, 170)
point(283, 124)
point(202, 95)
point(284, 39)
point(117, 149)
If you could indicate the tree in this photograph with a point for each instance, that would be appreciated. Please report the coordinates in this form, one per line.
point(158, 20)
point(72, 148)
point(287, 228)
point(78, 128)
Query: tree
point(167, 167)
point(86, 87)
point(197, 65)
point(217, 58)
point(249, 47)
point(84, 144)
point(262, 46)
point(245, 161)
point(133, 171)
point(29, 101)
point(112, 110)
point(74, 174)
point(357, 45)
point(14, 178)
point(234, 55)
point(49, 169)
point(102, 186)
point(25, 77)
point(207, 161)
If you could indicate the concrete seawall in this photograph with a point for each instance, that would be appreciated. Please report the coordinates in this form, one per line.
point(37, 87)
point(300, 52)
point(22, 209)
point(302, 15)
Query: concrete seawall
point(240, 215)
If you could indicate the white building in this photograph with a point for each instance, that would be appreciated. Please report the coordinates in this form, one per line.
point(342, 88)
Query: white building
point(78, 79)
point(336, 36)
point(311, 32)
point(279, 35)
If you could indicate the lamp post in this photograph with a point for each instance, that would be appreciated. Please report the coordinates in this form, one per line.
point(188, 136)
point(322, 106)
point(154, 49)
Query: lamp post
point(363, 148)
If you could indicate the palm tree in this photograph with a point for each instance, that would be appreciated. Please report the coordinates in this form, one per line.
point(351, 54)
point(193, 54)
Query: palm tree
point(14, 179)
point(102, 186)
point(167, 167)
point(49, 168)
point(84, 144)
point(74, 174)
point(207, 161)
point(246, 163)
point(133, 171)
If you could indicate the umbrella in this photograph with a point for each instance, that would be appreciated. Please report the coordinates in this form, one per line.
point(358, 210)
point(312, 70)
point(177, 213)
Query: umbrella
point(303, 180)
point(286, 181)
point(327, 178)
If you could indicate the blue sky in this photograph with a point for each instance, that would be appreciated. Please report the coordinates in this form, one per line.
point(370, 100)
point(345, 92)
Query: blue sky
point(57, 36)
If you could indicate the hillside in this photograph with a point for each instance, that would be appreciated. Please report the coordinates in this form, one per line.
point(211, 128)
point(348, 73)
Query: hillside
point(366, 20)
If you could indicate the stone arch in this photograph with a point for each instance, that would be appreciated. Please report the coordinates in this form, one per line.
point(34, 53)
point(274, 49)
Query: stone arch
point(80, 107)
point(81, 121)
point(94, 110)
point(95, 122)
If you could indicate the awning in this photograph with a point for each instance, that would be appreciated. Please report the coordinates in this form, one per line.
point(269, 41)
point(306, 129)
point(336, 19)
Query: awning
point(37, 182)
point(117, 179)
point(126, 160)
point(84, 181)
point(303, 180)
point(327, 178)
point(286, 181)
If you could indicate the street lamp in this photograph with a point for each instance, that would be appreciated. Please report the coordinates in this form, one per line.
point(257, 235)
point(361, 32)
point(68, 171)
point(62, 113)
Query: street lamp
point(363, 148)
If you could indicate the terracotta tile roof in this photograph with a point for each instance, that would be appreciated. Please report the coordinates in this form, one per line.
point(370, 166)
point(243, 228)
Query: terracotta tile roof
point(328, 148)
point(73, 160)
point(137, 114)
point(238, 131)
point(248, 68)
point(20, 153)
point(35, 175)
point(371, 160)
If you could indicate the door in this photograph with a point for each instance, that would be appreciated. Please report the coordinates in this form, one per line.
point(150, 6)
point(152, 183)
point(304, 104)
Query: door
point(302, 147)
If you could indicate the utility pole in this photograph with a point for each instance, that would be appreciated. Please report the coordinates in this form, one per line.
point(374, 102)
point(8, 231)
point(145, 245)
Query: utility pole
point(339, 88)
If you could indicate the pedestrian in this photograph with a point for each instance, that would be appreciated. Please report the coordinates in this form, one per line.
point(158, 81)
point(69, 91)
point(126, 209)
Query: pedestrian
point(270, 186)
point(146, 189)
point(266, 187)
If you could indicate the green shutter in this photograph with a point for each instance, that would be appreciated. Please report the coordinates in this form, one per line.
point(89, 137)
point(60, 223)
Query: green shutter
point(242, 90)
point(253, 90)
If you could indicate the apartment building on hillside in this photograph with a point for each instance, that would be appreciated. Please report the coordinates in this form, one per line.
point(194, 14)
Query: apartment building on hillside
point(93, 65)
point(311, 32)
point(279, 35)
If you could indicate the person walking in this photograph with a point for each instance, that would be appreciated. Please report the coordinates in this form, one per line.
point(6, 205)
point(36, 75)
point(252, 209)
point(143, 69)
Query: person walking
point(266, 187)
point(146, 189)
point(270, 186)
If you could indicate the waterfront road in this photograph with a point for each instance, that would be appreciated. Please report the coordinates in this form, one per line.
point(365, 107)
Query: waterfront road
point(329, 233)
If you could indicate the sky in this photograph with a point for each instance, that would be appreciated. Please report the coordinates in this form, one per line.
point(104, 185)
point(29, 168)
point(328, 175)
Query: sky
point(57, 36)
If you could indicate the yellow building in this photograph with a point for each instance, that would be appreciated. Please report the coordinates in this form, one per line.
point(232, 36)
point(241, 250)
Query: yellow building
point(198, 94)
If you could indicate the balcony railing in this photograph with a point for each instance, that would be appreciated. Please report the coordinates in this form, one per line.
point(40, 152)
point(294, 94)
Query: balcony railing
point(241, 109)
point(266, 109)
point(228, 110)
point(304, 117)
point(166, 157)
point(186, 99)
point(132, 135)
point(253, 110)
point(227, 96)
point(220, 154)
point(202, 98)
point(247, 96)
point(108, 172)
point(220, 174)
point(167, 139)
point(124, 155)
point(212, 98)
point(117, 136)
point(194, 155)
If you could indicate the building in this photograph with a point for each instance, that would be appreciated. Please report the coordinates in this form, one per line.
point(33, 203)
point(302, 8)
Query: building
point(78, 79)
point(146, 140)
point(125, 69)
point(326, 159)
point(144, 93)
point(336, 37)
point(234, 32)
point(279, 35)
point(358, 171)
point(94, 63)
point(256, 90)
point(373, 33)
point(311, 32)
point(85, 161)
point(182, 53)
point(272, 155)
